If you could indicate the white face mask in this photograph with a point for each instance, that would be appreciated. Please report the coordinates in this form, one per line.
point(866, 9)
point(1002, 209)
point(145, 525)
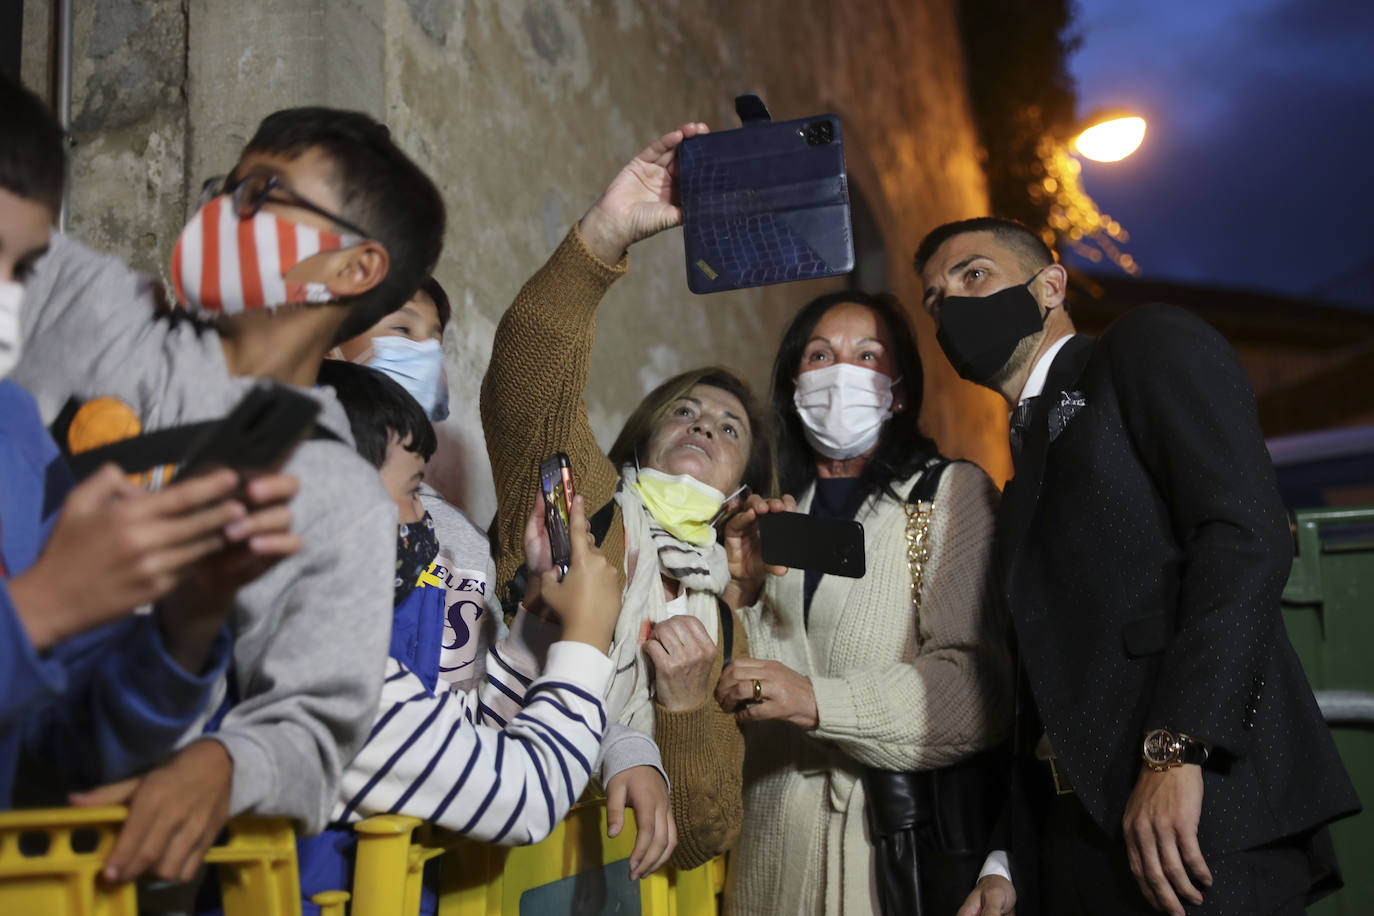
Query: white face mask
point(417, 366)
point(843, 408)
point(11, 298)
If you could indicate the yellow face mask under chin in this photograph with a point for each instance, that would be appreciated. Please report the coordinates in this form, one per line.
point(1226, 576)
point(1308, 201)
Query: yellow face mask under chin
point(683, 505)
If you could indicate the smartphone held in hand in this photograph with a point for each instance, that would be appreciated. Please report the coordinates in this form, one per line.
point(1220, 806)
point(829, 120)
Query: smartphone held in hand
point(555, 480)
point(258, 435)
point(833, 546)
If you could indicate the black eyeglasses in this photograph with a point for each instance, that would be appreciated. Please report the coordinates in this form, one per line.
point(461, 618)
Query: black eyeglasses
point(253, 190)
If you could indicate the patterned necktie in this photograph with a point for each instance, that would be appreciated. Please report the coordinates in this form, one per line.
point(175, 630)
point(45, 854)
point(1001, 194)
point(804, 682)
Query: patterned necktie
point(1020, 421)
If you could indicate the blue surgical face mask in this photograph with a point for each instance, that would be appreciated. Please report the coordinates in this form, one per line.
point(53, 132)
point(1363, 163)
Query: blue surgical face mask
point(417, 366)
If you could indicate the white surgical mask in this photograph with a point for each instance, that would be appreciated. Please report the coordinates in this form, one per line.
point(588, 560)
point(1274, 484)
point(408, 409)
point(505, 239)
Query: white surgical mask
point(843, 408)
point(415, 365)
point(11, 298)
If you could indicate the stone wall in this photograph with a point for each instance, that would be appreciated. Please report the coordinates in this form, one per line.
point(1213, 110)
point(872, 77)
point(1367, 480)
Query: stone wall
point(522, 110)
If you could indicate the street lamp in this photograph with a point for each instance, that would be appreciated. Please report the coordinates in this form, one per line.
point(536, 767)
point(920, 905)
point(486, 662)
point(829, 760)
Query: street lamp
point(1111, 139)
point(1072, 216)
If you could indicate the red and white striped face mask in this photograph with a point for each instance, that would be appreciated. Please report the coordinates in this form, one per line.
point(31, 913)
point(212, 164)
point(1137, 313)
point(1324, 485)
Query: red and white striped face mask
point(223, 264)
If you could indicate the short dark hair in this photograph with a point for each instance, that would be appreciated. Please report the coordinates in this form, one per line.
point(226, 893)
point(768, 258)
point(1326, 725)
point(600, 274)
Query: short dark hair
point(1031, 249)
point(634, 436)
point(902, 449)
point(377, 409)
point(33, 155)
point(383, 191)
point(434, 291)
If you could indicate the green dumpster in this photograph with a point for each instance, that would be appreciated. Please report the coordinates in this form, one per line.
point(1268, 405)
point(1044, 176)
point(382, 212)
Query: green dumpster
point(1328, 607)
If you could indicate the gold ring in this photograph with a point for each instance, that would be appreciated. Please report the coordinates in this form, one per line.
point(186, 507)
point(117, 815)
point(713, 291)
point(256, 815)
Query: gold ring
point(758, 691)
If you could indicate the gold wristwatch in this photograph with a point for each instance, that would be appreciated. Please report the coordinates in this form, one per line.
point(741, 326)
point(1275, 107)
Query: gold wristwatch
point(1164, 750)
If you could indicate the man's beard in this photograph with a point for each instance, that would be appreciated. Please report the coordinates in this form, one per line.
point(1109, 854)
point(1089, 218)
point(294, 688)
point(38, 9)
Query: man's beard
point(1025, 349)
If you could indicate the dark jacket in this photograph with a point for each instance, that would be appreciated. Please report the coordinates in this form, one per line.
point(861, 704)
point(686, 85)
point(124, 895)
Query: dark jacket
point(1143, 548)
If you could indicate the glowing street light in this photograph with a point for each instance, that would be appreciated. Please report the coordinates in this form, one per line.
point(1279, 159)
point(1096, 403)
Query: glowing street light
point(1111, 140)
point(1072, 216)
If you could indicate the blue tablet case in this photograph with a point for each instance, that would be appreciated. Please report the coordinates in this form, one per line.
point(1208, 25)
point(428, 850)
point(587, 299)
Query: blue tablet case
point(766, 203)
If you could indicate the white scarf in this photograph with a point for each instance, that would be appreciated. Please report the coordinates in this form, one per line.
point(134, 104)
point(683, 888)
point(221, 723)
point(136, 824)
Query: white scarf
point(704, 574)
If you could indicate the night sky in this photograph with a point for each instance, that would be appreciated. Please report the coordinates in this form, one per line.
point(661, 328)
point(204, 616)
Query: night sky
point(1257, 168)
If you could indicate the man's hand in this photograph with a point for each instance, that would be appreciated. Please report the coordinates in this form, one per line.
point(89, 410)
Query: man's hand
point(993, 895)
point(783, 693)
point(640, 201)
point(683, 655)
point(175, 812)
point(643, 789)
point(135, 544)
point(1160, 826)
point(744, 553)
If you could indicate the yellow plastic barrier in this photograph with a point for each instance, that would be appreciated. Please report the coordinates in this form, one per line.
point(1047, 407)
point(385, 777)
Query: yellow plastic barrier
point(50, 861)
point(577, 862)
point(257, 868)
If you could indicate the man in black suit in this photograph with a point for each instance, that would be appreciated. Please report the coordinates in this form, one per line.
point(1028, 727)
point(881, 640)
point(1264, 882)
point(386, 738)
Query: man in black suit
point(1171, 754)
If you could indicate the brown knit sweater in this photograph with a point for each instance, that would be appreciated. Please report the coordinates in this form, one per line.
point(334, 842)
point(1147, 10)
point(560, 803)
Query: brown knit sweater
point(532, 406)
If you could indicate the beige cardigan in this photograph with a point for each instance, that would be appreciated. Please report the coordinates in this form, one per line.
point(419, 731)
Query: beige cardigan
point(887, 697)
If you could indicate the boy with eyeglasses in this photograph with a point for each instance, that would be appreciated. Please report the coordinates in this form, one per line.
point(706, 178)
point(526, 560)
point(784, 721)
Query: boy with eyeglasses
point(323, 227)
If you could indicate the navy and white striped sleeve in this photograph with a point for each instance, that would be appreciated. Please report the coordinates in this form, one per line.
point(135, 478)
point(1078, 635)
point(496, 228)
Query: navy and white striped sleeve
point(512, 665)
point(502, 692)
point(428, 758)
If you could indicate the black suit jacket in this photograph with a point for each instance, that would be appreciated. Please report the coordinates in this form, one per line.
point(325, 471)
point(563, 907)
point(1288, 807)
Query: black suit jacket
point(1143, 547)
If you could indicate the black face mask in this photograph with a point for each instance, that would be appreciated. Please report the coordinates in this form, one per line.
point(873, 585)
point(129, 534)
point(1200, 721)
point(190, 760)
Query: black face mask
point(416, 547)
point(980, 333)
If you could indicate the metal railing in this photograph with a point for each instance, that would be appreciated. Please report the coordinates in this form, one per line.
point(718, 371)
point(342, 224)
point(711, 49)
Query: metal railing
point(1347, 707)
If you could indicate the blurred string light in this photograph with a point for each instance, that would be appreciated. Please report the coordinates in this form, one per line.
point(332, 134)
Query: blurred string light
point(1073, 216)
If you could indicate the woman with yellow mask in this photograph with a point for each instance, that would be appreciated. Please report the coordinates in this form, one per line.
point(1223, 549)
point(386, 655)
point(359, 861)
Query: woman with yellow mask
point(691, 445)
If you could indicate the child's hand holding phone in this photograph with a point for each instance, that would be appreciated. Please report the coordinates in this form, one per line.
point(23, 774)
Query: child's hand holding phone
point(587, 600)
point(538, 556)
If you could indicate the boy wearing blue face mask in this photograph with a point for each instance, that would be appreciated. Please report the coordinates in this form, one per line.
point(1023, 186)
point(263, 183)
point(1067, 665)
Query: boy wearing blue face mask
point(408, 346)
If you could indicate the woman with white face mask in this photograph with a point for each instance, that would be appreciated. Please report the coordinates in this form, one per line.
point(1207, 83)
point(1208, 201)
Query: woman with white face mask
point(849, 674)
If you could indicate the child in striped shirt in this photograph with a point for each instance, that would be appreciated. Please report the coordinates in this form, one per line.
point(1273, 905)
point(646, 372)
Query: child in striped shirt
point(501, 762)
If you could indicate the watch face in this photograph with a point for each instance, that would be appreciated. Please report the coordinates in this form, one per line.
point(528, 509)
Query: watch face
point(1159, 747)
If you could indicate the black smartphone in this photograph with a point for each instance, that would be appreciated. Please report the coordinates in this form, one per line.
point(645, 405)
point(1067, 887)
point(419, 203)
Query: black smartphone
point(833, 546)
point(555, 479)
point(258, 434)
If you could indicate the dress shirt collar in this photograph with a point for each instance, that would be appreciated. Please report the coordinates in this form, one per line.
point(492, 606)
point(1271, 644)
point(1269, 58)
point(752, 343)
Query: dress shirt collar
point(1035, 382)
